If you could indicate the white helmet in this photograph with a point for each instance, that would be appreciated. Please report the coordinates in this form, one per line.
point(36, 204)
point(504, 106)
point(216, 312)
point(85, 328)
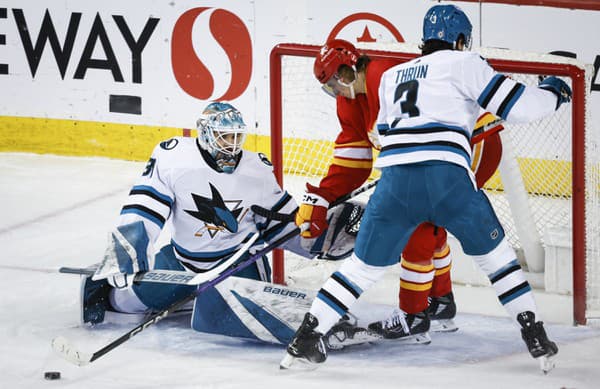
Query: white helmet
point(222, 132)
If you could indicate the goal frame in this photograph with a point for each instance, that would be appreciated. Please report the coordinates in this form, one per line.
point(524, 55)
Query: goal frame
point(577, 76)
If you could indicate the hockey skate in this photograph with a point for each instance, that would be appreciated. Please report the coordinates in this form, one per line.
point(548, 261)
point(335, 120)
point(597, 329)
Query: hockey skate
point(406, 327)
point(307, 348)
point(94, 300)
point(442, 311)
point(347, 333)
point(538, 344)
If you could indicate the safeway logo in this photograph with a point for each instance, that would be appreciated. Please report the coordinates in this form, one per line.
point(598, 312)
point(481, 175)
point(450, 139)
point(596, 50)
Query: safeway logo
point(230, 33)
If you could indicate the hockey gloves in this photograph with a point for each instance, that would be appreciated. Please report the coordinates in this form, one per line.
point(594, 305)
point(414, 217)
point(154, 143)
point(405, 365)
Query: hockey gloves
point(312, 215)
point(559, 88)
point(125, 255)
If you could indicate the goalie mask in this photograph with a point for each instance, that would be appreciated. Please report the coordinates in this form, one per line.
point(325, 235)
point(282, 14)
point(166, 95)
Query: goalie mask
point(447, 23)
point(222, 132)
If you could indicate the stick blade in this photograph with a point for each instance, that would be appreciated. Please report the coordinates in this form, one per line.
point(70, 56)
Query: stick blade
point(65, 349)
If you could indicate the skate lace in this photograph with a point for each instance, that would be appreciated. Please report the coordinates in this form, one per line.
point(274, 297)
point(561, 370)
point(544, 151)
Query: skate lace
point(398, 318)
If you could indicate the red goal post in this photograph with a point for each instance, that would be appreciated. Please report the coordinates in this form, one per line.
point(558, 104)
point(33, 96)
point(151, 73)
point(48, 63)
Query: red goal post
point(504, 61)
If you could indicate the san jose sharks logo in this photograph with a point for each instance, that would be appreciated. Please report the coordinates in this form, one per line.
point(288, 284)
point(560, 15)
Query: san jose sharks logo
point(215, 213)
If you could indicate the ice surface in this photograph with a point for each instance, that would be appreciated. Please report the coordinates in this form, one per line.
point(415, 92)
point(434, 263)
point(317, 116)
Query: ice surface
point(56, 211)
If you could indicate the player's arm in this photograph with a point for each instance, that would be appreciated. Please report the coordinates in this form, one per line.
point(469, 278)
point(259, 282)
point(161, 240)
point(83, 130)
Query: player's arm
point(511, 100)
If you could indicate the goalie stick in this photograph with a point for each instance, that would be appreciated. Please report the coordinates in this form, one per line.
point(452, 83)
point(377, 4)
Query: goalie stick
point(67, 351)
point(176, 276)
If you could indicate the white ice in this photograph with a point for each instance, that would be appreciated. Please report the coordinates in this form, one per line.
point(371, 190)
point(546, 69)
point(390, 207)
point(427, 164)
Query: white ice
point(56, 211)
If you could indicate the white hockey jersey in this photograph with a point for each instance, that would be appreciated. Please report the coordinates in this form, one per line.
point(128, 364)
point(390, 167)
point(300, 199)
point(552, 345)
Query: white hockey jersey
point(209, 211)
point(428, 107)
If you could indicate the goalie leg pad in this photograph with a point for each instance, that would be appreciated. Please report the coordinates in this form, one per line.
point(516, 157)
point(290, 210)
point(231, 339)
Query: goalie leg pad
point(251, 309)
point(338, 241)
point(159, 296)
point(94, 300)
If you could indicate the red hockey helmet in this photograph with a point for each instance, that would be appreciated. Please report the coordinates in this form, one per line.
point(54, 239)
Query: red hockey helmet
point(334, 53)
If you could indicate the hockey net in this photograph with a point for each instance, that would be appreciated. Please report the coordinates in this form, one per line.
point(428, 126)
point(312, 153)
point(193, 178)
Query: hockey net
point(546, 192)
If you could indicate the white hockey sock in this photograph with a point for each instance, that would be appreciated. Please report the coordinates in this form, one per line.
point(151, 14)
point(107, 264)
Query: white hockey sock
point(507, 278)
point(342, 289)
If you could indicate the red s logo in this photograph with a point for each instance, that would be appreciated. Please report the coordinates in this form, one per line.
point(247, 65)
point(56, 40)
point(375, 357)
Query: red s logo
point(231, 34)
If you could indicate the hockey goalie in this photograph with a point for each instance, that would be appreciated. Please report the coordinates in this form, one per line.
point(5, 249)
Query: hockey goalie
point(203, 190)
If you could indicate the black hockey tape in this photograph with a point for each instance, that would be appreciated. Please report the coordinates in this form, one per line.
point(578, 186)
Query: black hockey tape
point(283, 217)
point(52, 375)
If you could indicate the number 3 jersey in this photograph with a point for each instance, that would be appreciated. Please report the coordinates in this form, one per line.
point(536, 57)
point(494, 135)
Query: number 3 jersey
point(429, 105)
point(208, 210)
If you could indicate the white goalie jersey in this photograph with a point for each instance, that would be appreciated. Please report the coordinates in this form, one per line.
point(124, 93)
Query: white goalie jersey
point(209, 211)
point(428, 106)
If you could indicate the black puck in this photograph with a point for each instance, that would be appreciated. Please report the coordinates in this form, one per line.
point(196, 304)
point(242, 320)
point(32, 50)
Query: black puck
point(52, 375)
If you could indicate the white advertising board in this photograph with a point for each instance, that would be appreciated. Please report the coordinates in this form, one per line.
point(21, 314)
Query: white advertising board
point(157, 63)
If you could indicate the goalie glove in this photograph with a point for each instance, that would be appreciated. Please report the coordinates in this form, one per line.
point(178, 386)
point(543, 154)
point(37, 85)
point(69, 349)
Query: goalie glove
point(338, 241)
point(126, 255)
point(312, 215)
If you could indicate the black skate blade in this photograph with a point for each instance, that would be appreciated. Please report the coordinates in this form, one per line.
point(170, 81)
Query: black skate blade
point(422, 338)
point(290, 362)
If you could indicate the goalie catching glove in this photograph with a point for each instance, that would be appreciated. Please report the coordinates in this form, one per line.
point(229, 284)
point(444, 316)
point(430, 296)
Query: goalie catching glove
point(338, 240)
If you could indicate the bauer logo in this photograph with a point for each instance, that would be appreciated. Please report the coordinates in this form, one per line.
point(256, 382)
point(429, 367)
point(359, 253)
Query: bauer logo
point(285, 292)
point(151, 276)
point(192, 45)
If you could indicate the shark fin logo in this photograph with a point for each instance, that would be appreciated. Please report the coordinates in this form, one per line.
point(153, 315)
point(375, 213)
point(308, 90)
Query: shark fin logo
point(215, 213)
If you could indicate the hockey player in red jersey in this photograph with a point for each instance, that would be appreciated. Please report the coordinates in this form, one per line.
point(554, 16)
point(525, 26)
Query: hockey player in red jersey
point(426, 298)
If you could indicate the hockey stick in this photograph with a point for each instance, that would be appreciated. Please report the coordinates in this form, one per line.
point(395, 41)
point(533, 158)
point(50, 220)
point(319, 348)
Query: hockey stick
point(159, 276)
point(284, 217)
point(484, 131)
point(67, 351)
point(355, 193)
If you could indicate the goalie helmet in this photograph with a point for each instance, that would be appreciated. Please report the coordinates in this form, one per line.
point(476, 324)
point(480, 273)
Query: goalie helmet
point(332, 55)
point(447, 23)
point(222, 132)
